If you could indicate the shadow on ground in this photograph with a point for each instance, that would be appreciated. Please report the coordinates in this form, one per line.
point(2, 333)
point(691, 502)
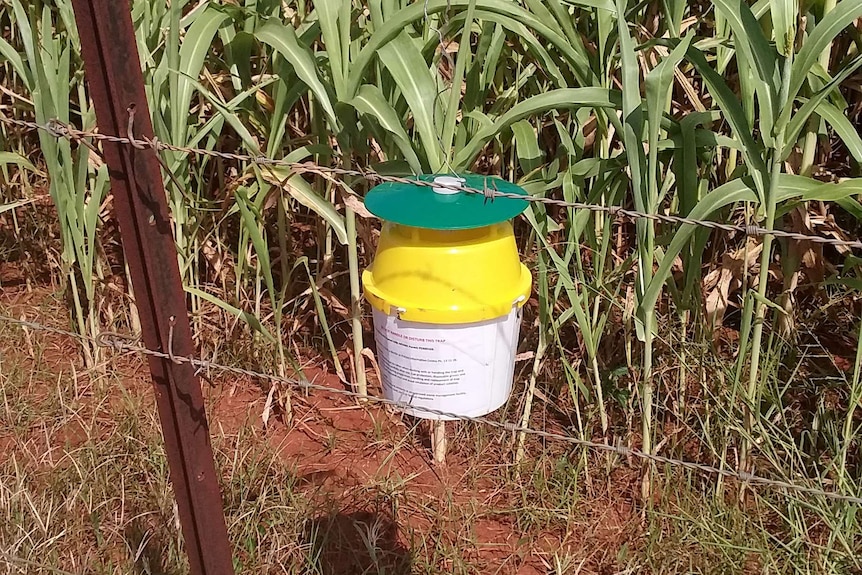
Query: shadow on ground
point(149, 550)
point(360, 542)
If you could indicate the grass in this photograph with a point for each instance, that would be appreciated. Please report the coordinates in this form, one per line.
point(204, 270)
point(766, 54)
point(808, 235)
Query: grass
point(84, 486)
point(718, 109)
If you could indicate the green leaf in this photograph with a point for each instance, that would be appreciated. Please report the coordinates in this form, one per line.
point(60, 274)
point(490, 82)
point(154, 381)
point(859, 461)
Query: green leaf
point(734, 191)
point(22, 20)
point(252, 222)
point(527, 148)
point(729, 104)
point(851, 206)
point(283, 39)
point(839, 18)
point(739, 190)
point(749, 38)
point(9, 54)
point(410, 71)
point(196, 44)
point(13, 205)
point(633, 123)
point(565, 279)
point(239, 52)
point(813, 105)
point(7, 158)
point(461, 62)
point(248, 318)
point(784, 14)
point(302, 192)
point(852, 283)
point(286, 94)
point(328, 16)
point(602, 4)
point(559, 99)
point(416, 11)
point(534, 45)
point(829, 192)
point(845, 129)
point(658, 83)
point(492, 60)
point(233, 120)
point(685, 158)
point(767, 302)
point(370, 101)
point(749, 41)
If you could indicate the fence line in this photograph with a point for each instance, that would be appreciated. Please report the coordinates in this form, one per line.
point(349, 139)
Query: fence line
point(123, 343)
point(126, 343)
point(61, 130)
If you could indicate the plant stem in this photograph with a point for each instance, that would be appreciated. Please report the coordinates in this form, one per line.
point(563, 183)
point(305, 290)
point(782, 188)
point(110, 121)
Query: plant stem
point(452, 108)
point(855, 399)
point(763, 278)
point(544, 327)
point(603, 415)
point(89, 361)
point(647, 236)
point(134, 317)
point(531, 392)
point(278, 298)
point(355, 301)
point(646, 424)
point(684, 317)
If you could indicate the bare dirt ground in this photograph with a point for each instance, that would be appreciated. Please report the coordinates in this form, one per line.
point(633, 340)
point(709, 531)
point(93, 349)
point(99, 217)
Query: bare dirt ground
point(372, 501)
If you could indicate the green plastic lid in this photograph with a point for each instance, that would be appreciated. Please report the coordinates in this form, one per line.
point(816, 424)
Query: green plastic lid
point(437, 208)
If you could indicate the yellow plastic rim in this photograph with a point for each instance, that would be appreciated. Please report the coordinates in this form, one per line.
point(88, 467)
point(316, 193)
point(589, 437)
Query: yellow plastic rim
point(447, 277)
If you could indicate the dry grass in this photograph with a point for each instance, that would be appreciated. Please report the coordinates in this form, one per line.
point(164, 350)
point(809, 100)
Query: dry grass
point(84, 488)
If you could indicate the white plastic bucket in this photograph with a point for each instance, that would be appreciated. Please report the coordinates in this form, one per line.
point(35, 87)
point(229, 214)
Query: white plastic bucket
point(462, 369)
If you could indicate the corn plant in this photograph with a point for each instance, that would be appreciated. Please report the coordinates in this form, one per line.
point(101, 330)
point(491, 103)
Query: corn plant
point(777, 78)
point(713, 110)
point(49, 68)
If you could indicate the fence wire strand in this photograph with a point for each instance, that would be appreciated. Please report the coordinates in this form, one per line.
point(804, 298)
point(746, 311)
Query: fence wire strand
point(126, 344)
point(60, 130)
point(123, 343)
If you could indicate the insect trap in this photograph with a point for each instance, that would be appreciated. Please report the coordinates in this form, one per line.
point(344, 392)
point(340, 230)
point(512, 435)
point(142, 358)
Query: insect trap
point(447, 289)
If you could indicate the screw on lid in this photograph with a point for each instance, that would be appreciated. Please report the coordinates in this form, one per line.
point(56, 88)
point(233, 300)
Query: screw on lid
point(448, 185)
point(443, 208)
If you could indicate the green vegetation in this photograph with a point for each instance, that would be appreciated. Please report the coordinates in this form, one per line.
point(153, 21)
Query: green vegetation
point(675, 339)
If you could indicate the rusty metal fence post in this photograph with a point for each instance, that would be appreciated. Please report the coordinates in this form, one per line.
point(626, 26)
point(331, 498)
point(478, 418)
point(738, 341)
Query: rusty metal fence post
point(117, 87)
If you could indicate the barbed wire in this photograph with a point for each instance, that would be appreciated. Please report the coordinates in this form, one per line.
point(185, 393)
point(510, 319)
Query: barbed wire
point(61, 130)
point(126, 343)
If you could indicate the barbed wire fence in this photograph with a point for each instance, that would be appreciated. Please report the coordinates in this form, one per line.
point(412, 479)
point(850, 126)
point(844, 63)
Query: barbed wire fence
point(60, 130)
point(127, 344)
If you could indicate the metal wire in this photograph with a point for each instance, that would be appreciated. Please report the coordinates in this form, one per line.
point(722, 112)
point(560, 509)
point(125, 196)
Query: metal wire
point(60, 130)
point(125, 343)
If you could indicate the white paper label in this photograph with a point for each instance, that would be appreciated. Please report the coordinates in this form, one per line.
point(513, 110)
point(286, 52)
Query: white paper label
point(465, 369)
